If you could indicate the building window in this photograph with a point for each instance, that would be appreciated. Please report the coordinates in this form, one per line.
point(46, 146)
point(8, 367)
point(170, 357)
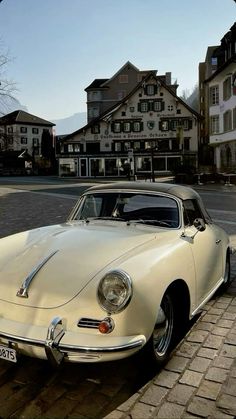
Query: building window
point(76, 148)
point(23, 129)
point(164, 126)
point(174, 145)
point(123, 78)
point(95, 129)
point(186, 144)
point(227, 88)
point(215, 128)
point(151, 105)
point(127, 146)
point(136, 145)
point(23, 140)
point(136, 126)
point(117, 147)
point(228, 121)
point(158, 105)
point(70, 148)
point(185, 124)
point(35, 142)
point(10, 129)
point(143, 106)
point(150, 90)
point(131, 108)
point(126, 127)
point(35, 130)
point(116, 127)
point(214, 95)
point(93, 112)
point(214, 61)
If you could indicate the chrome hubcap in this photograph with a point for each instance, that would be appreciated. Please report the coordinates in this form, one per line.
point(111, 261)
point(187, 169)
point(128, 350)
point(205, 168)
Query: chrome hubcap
point(163, 330)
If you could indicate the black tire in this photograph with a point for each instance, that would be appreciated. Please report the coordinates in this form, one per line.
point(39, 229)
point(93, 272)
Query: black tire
point(157, 350)
point(227, 276)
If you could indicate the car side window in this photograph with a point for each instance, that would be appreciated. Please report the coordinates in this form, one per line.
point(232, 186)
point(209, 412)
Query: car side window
point(191, 211)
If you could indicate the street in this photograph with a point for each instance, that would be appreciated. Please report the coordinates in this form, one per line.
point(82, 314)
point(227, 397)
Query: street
point(31, 388)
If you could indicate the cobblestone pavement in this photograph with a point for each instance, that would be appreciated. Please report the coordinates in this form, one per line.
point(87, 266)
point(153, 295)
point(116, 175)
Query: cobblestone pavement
point(198, 381)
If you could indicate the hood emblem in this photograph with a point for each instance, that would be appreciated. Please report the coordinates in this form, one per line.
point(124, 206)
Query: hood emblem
point(23, 290)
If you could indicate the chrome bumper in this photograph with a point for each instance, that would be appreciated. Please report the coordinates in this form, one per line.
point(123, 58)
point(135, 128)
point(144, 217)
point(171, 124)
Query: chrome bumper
point(56, 351)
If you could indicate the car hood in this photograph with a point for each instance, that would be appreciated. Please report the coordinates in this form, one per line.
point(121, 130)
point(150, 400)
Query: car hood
point(59, 261)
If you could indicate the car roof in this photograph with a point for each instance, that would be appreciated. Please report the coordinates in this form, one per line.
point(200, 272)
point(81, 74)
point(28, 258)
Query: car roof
point(179, 191)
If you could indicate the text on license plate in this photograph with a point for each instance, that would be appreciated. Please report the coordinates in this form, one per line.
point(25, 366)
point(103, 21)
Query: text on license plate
point(8, 354)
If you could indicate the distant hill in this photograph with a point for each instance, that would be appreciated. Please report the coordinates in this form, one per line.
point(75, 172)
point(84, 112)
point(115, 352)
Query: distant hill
point(8, 105)
point(70, 124)
point(192, 99)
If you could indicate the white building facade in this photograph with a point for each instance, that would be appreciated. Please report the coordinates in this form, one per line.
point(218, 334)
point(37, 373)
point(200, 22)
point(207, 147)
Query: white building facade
point(222, 114)
point(150, 131)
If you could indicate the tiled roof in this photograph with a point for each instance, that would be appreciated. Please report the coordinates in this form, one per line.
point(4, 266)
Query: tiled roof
point(22, 117)
point(121, 102)
point(96, 83)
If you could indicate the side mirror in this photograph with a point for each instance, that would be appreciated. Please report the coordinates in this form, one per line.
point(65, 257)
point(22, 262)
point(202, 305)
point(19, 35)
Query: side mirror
point(199, 224)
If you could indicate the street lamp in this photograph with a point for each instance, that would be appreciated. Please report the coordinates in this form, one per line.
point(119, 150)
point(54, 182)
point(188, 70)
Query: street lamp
point(152, 149)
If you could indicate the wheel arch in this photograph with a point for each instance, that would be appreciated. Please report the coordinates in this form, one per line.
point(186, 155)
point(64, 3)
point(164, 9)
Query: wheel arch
point(181, 296)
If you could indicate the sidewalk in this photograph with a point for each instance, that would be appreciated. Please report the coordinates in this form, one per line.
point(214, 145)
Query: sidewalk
point(200, 378)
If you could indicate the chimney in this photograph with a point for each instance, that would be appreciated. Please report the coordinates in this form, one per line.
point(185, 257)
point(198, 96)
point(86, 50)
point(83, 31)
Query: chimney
point(168, 78)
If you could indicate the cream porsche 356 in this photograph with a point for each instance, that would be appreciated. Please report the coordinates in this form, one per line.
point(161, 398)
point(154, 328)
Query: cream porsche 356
point(133, 263)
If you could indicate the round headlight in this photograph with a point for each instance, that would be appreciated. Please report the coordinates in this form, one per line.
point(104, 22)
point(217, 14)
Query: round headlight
point(115, 291)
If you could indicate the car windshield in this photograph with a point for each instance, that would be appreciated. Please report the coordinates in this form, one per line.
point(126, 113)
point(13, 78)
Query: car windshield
point(130, 207)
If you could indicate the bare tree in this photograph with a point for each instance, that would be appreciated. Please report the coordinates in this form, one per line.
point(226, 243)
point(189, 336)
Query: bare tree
point(7, 87)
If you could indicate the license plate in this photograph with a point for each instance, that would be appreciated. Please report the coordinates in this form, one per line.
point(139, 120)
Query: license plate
point(8, 354)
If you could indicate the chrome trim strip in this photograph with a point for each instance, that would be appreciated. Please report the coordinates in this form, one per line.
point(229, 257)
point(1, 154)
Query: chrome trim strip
point(55, 334)
point(108, 349)
point(73, 348)
point(23, 290)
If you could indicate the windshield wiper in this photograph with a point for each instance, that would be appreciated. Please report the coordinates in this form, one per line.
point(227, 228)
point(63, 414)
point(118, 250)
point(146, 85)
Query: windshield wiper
point(87, 220)
point(150, 222)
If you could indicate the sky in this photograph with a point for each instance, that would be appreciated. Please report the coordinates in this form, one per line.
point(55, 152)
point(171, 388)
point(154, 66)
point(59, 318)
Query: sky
point(58, 47)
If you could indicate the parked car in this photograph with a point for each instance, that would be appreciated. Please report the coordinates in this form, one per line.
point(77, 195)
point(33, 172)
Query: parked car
point(133, 263)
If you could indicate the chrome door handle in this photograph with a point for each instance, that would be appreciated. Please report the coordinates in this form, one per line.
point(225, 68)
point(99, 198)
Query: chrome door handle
point(218, 241)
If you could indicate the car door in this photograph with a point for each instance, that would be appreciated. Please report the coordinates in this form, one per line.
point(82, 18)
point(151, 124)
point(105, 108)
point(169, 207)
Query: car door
point(206, 248)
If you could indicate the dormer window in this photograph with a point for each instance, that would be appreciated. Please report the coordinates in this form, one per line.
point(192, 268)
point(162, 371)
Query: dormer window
point(150, 89)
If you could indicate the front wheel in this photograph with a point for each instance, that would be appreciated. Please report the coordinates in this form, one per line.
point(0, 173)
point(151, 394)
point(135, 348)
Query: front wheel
point(165, 333)
point(227, 279)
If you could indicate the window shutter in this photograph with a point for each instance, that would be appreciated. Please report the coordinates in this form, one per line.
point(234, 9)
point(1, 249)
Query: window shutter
point(141, 126)
point(112, 127)
point(139, 107)
point(160, 125)
point(150, 106)
point(162, 105)
point(190, 124)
